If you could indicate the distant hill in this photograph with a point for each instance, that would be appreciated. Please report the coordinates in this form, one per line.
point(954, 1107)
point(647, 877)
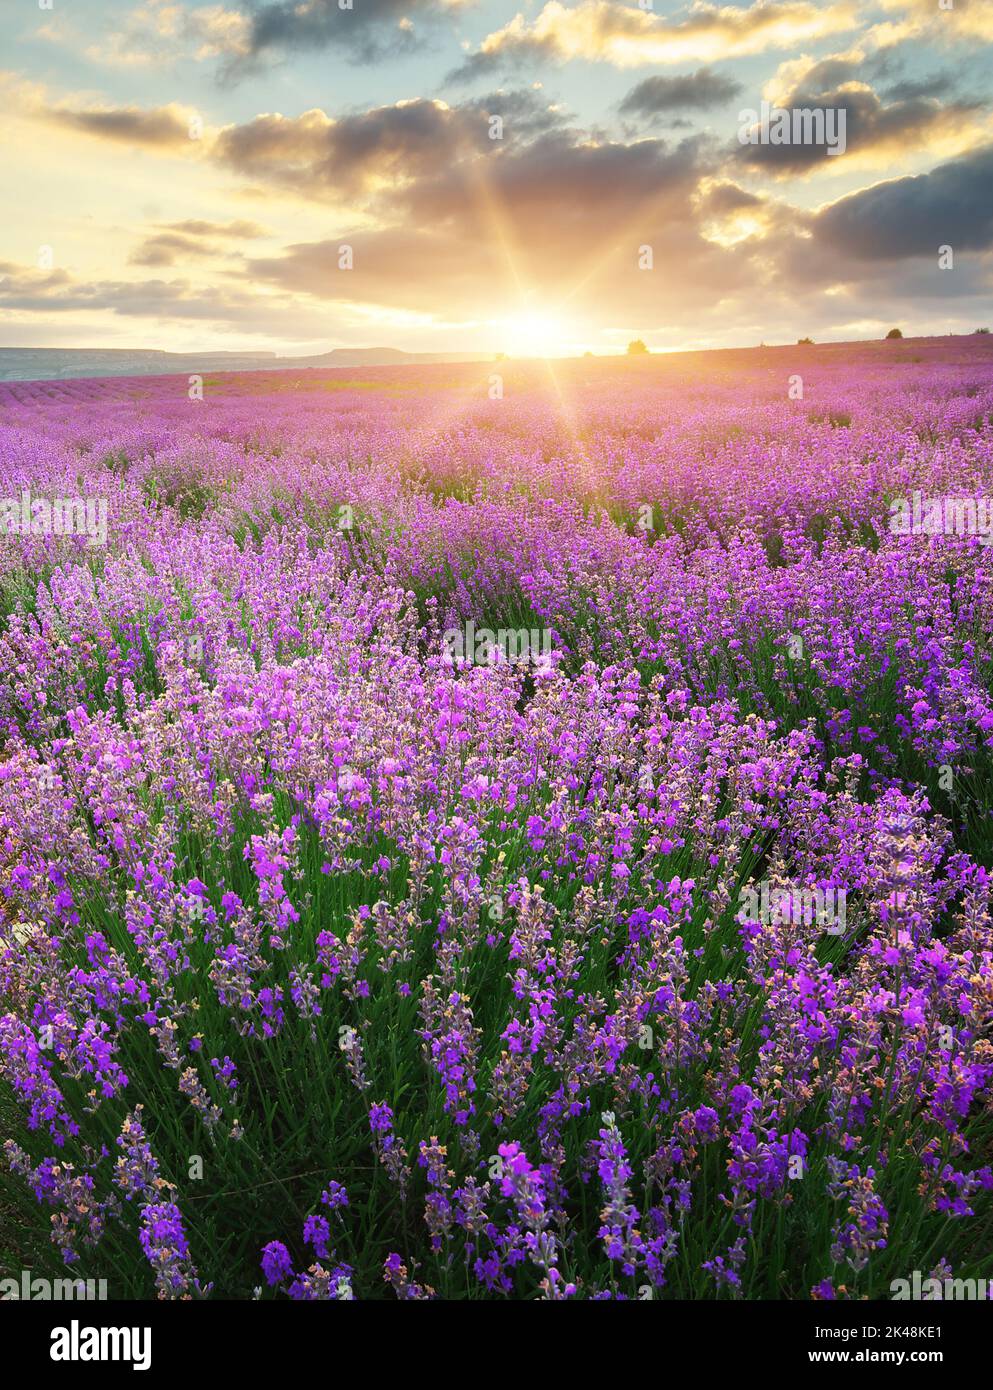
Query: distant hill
point(50, 364)
point(380, 357)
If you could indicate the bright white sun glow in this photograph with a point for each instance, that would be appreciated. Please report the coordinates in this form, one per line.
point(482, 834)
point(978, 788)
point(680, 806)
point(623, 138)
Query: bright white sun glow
point(535, 335)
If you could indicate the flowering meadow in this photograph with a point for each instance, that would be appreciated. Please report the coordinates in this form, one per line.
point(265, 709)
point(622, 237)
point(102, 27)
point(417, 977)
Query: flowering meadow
point(418, 799)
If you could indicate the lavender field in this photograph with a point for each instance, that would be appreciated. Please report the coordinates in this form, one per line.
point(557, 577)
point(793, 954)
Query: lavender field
point(500, 831)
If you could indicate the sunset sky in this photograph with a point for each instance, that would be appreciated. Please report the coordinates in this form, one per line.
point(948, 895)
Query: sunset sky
point(183, 176)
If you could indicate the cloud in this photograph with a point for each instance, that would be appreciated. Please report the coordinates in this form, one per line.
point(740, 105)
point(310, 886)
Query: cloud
point(372, 151)
point(157, 34)
point(629, 37)
point(165, 248)
point(692, 91)
point(875, 131)
point(950, 206)
point(524, 112)
point(721, 198)
point(939, 84)
point(355, 156)
point(561, 213)
point(162, 128)
point(240, 230)
point(56, 292)
point(965, 21)
point(179, 241)
point(321, 154)
point(449, 269)
point(581, 187)
point(365, 32)
point(20, 284)
point(806, 74)
point(430, 162)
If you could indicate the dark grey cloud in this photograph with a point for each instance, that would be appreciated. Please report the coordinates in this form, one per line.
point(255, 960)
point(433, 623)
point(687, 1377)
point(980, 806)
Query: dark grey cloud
point(524, 111)
point(578, 183)
point(939, 84)
point(692, 91)
point(368, 31)
point(950, 206)
point(511, 56)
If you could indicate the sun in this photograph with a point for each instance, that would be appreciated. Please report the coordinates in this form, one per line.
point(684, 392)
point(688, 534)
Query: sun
point(535, 334)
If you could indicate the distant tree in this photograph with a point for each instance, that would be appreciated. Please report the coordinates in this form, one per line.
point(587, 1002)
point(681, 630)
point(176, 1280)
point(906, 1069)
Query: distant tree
point(805, 342)
point(894, 333)
point(637, 348)
point(587, 353)
point(982, 330)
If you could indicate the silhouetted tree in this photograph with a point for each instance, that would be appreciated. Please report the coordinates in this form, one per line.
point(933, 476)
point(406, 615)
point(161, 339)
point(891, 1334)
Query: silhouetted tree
point(636, 348)
point(894, 333)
